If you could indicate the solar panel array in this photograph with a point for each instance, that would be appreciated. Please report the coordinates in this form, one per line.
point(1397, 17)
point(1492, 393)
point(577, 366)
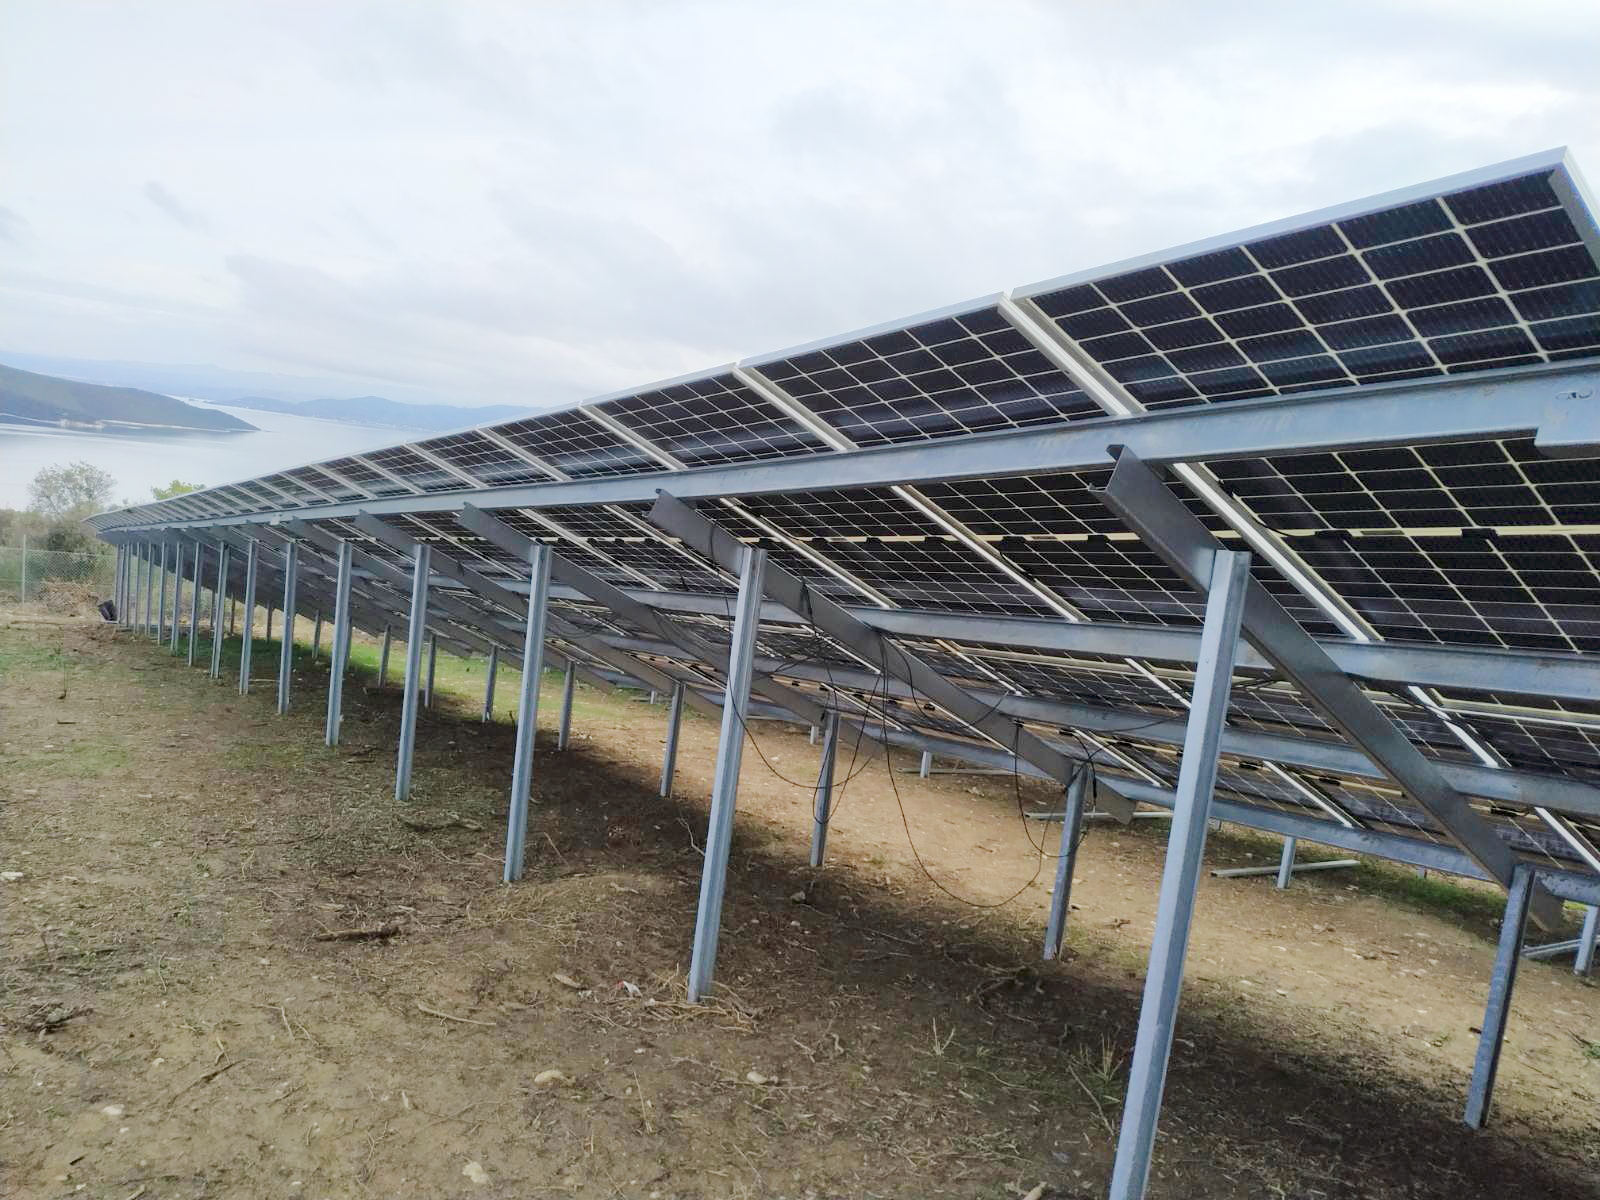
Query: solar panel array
point(1446, 543)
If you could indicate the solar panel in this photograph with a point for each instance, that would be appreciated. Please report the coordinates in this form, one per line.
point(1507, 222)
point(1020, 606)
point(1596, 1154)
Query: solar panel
point(1482, 542)
point(1499, 274)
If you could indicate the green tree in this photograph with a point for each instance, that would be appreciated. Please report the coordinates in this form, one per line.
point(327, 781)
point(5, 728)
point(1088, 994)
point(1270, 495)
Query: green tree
point(71, 492)
point(176, 488)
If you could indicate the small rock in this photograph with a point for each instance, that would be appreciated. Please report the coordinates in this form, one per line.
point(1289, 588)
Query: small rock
point(550, 1078)
point(475, 1172)
point(11, 876)
point(799, 897)
point(112, 1110)
point(757, 1078)
point(567, 981)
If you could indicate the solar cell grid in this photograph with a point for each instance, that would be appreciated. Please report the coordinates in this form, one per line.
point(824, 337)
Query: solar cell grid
point(714, 420)
point(1450, 484)
point(936, 573)
point(1536, 591)
point(414, 469)
point(338, 489)
point(484, 460)
point(576, 445)
point(1453, 283)
point(1108, 579)
point(374, 483)
point(591, 521)
point(969, 372)
point(667, 564)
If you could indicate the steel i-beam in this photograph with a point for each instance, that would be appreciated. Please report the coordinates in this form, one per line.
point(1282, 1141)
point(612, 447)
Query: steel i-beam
point(822, 801)
point(177, 596)
point(219, 601)
point(291, 571)
point(247, 635)
point(1498, 1007)
point(341, 645)
point(415, 631)
point(569, 679)
point(1055, 930)
point(383, 656)
point(527, 711)
point(669, 753)
point(161, 597)
point(1197, 774)
point(725, 786)
point(194, 599)
point(488, 684)
point(433, 664)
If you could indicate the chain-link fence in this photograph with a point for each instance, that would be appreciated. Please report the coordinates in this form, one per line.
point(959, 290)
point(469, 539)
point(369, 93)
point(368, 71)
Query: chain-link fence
point(58, 578)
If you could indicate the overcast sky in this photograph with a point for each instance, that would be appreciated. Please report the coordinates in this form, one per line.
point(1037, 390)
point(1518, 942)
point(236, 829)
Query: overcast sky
point(529, 203)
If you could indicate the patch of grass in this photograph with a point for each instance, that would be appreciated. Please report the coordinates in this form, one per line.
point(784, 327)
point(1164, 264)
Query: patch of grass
point(83, 758)
point(1477, 908)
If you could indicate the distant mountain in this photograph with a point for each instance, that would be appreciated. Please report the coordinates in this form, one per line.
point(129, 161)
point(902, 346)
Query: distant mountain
point(46, 400)
point(388, 414)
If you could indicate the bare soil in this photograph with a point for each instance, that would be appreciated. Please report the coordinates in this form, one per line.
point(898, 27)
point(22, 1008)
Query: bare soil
point(178, 1022)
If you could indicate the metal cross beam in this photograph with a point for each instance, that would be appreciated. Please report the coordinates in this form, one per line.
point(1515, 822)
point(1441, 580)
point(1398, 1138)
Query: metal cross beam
point(635, 613)
point(680, 520)
point(1177, 536)
point(497, 593)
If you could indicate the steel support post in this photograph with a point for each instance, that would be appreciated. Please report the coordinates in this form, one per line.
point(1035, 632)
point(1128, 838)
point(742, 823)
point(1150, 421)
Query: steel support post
point(219, 601)
point(925, 766)
point(149, 590)
point(488, 684)
point(177, 596)
point(1055, 930)
point(1197, 774)
point(1286, 863)
point(1586, 940)
point(1498, 1008)
point(527, 710)
point(252, 560)
point(341, 644)
point(669, 753)
point(433, 663)
point(270, 611)
point(383, 656)
point(161, 597)
point(822, 802)
point(194, 599)
point(569, 680)
point(415, 628)
point(725, 785)
point(316, 637)
point(291, 571)
point(811, 735)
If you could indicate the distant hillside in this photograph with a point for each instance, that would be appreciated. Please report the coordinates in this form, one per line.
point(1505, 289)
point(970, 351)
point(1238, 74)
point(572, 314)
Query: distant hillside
point(389, 414)
point(45, 399)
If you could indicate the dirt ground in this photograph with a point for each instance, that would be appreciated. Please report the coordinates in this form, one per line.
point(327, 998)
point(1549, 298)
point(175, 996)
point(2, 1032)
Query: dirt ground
point(177, 1022)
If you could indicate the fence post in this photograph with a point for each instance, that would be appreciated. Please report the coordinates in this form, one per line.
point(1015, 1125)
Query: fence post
point(23, 597)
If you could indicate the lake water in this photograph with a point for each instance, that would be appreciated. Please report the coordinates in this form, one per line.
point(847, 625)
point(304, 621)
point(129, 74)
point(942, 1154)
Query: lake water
point(140, 461)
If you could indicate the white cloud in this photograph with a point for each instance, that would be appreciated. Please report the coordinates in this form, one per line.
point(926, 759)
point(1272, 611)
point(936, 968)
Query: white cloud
point(535, 202)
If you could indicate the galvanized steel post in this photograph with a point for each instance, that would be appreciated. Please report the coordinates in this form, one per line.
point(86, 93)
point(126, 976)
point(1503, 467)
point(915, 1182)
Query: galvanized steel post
point(1197, 775)
point(433, 663)
point(488, 684)
point(527, 709)
point(1286, 863)
point(1586, 940)
point(725, 786)
point(219, 601)
point(568, 682)
point(291, 570)
point(1498, 1007)
point(415, 628)
point(1055, 931)
point(341, 643)
point(247, 634)
point(177, 595)
point(669, 754)
point(383, 656)
point(194, 599)
point(822, 802)
point(161, 598)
